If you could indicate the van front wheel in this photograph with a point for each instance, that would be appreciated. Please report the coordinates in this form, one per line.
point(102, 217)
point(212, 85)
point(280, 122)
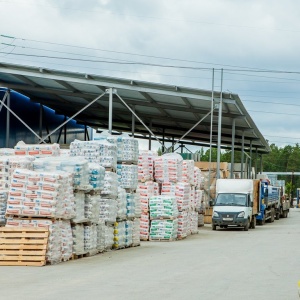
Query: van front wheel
point(246, 228)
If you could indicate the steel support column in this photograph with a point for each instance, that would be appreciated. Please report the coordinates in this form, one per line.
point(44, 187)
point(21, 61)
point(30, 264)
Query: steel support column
point(8, 119)
point(15, 115)
point(261, 165)
point(133, 122)
point(110, 110)
point(232, 148)
point(163, 140)
point(65, 131)
point(211, 126)
point(41, 121)
point(250, 159)
point(220, 127)
point(150, 137)
point(255, 162)
point(242, 155)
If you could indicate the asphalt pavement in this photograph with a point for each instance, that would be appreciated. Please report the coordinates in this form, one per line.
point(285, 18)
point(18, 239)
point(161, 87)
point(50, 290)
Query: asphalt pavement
point(263, 263)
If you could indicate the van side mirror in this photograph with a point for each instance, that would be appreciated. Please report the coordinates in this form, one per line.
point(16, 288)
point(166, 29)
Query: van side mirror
point(251, 204)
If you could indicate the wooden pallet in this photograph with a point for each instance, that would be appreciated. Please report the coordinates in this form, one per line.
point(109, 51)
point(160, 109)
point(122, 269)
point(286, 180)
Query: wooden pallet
point(162, 240)
point(23, 246)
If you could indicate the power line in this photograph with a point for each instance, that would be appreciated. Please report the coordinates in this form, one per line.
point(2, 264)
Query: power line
point(157, 57)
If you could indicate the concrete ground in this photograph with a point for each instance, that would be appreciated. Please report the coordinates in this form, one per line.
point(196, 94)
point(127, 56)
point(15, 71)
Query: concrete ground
point(225, 264)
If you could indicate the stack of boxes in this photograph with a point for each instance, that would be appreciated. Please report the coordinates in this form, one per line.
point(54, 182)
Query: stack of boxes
point(146, 189)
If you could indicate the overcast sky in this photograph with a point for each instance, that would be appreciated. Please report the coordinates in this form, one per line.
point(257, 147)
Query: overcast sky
point(243, 37)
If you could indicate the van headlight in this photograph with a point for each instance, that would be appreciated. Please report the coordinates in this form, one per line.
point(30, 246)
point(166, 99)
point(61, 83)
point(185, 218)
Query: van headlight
point(241, 214)
point(215, 214)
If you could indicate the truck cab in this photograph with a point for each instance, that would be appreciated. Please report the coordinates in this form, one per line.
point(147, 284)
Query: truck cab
point(234, 205)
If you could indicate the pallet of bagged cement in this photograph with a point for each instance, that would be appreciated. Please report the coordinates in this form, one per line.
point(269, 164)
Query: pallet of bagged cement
point(21, 246)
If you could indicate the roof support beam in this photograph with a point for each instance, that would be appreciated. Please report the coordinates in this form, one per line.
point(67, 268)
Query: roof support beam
point(42, 140)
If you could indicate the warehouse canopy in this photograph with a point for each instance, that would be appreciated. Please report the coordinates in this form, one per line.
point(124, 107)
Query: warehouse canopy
point(169, 111)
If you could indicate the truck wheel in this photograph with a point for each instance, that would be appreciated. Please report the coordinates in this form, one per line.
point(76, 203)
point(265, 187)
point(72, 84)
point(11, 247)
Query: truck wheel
point(263, 221)
point(253, 222)
point(281, 213)
point(272, 215)
point(213, 227)
point(246, 228)
point(277, 216)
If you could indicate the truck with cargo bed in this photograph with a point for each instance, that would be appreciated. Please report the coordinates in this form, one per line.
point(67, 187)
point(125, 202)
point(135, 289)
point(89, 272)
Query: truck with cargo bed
point(237, 203)
point(273, 203)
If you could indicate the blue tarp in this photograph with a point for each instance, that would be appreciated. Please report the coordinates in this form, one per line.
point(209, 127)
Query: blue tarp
point(29, 112)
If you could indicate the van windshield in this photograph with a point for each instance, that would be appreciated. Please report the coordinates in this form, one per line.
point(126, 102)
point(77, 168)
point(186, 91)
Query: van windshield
point(231, 199)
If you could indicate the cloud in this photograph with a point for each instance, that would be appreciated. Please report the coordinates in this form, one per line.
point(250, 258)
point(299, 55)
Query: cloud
point(256, 34)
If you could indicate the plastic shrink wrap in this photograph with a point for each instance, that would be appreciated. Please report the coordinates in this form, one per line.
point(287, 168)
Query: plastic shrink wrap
point(101, 152)
point(168, 168)
point(164, 229)
point(127, 176)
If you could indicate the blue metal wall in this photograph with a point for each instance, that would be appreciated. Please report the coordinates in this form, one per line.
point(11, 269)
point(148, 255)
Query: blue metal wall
point(29, 112)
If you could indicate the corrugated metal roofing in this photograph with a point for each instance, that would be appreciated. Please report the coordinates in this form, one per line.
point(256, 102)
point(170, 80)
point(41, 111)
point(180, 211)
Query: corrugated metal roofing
point(169, 109)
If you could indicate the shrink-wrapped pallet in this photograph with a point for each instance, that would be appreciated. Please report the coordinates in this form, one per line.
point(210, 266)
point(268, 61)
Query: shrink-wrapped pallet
point(77, 166)
point(188, 171)
point(7, 166)
point(193, 222)
point(146, 165)
point(127, 147)
point(78, 239)
point(197, 177)
point(60, 241)
point(101, 152)
point(90, 238)
point(145, 191)
point(121, 204)
point(92, 207)
point(128, 233)
point(168, 168)
point(144, 226)
point(79, 203)
point(137, 206)
point(163, 229)
point(41, 194)
point(37, 150)
point(119, 235)
point(136, 232)
point(7, 151)
point(108, 210)
point(183, 224)
point(66, 239)
point(127, 176)
point(180, 190)
point(96, 176)
point(198, 198)
point(105, 239)
point(110, 187)
point(130, 199)
point(3, 203)
point(163, 207)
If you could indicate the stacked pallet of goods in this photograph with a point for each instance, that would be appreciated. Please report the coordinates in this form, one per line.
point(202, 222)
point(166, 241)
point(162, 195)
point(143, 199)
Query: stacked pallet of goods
point(38, 199)
point(191, 176)
point(168, 173)
point(126, 223)
point(8, 163)
point(86, 198)
point(146, 189)
point(100, 204)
